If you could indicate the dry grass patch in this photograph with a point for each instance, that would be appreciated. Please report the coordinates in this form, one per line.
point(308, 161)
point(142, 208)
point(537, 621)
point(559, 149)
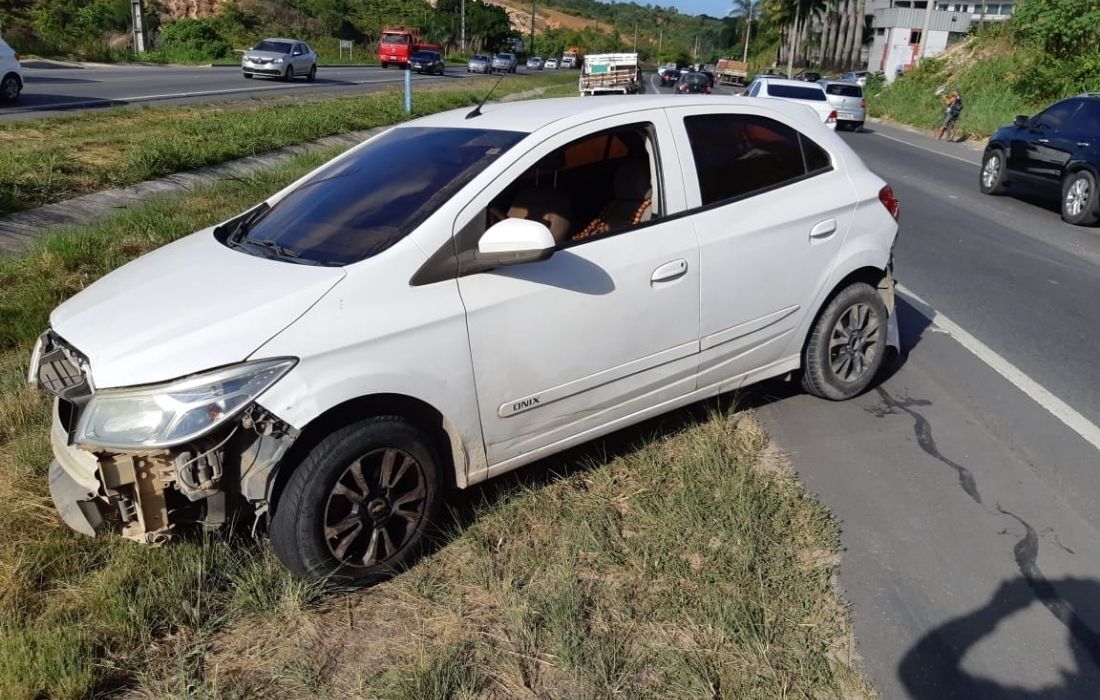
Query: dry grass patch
point(684, 563)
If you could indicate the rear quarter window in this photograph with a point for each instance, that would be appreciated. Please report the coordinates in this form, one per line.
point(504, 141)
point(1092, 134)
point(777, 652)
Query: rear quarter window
point(737, 155)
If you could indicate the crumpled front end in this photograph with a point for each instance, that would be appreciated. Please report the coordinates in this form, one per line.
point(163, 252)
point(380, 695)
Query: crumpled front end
point(143, 494)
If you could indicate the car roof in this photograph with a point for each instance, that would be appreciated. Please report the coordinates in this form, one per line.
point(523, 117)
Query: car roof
point(784, 81)
point(838, 81)
point(279, 38)
point(532, 115)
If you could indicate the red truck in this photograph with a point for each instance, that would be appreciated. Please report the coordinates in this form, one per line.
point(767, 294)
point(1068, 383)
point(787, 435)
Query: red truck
point(398, 44)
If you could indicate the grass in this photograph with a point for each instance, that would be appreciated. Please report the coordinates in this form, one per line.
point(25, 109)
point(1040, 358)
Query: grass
point(49, 160)
point(982, 71)
point(677, 560)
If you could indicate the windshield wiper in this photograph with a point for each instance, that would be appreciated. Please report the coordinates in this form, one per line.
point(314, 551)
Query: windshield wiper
point(277, 248)
point(245, 223)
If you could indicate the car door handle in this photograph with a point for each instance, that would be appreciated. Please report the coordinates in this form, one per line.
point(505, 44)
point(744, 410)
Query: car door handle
point(1043, 140)
point(823, 229)
point(670, 271)
point(1083, 144)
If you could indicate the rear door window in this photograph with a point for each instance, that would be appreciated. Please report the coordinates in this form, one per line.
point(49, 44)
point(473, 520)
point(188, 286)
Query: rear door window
point(737, 155)
point(844, 90)
point(796, 92)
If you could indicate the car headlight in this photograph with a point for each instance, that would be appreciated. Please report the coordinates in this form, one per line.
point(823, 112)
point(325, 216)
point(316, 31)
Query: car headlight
point(277, 60)
point(170, 414)
point(36, 357)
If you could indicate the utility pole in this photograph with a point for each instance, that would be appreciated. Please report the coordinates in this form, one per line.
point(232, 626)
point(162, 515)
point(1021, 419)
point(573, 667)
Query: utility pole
point(924, 31)
point(462, 39)
point(635, 36)
point(748, 31)
point(696, 48)
point(531, 51)
point(660, 42)
point(137, 10)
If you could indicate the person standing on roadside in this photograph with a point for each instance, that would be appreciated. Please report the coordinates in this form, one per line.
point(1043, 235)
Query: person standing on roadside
point(953, 108)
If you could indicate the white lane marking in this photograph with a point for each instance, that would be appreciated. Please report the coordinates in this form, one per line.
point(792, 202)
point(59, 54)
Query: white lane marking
point(926, 148)
point(1040, 394)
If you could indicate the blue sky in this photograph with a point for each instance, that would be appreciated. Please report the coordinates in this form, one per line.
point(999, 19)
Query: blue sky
point(714, 8)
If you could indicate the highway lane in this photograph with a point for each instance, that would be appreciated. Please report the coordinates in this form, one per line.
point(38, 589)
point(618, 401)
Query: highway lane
point(966, 489)
point(50, 91)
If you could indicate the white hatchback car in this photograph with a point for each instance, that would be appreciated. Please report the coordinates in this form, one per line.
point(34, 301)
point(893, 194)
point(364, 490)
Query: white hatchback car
point(797, 91)
point(333, 360)
point(11, 73)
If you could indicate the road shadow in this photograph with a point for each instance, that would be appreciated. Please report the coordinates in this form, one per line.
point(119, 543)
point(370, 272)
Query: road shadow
point(50, 80)
point(44, 102)
point(933, 668)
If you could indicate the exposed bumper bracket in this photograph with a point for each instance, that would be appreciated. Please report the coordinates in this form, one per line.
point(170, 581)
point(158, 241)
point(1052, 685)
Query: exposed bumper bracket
point(77, 506)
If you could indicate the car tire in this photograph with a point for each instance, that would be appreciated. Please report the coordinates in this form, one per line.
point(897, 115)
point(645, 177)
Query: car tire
point(289, 74)
point(327, 523)
point(991, 178)
point(10, 87)
point(248, 76)
point(1079, 199)
point(312, 76)
point(847, 344)
point(857, 127)
point(385, 65)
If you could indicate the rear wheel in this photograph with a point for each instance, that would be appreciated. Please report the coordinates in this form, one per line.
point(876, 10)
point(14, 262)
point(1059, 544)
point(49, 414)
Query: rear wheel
point(359, 505)
point(385, 65)
point(1079, 199)
point(847, 344)
point(10, 88)
point(993, 172)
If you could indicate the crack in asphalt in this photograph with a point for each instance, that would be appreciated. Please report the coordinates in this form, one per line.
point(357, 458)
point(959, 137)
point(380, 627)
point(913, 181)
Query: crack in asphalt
point(1026, 552)
point(923, 430)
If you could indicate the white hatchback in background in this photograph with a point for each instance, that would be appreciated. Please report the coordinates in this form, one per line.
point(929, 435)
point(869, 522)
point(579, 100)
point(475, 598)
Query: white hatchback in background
point(798, 91)
point(358, 344)
point(11, 73)
point(847, 99)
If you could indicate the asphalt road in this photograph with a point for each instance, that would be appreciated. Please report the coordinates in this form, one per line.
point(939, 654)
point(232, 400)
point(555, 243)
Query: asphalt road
point(52, 90)
point(967, 483)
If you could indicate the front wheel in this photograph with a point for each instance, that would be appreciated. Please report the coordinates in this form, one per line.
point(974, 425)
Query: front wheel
point(993, 172)
point(847, 344)
point(10, 88)
point(312, 77)
point(385, 65)
point(289, 75)
point(359, 505)
point(1079, 200)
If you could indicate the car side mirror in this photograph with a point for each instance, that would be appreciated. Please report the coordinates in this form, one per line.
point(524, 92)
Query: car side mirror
point(296, 53)
point(515, 242)
point(1021, 121)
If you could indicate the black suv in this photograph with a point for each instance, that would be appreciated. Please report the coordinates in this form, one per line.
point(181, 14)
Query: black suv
point(1056, 151)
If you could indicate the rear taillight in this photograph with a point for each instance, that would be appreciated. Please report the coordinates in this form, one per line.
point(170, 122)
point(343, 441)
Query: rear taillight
point(886, 196)
point(17, 59)
point(706, 90)
point(832, 117)
point(863, 104)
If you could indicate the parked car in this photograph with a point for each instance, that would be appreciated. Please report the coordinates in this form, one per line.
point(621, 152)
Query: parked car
point(1054, 153)
point(710, 77)
point(848, 101)
point(280, 58)
point(669, 76)
point(430, 62)
point(534, 63)
point(556, 270)
point(808, 76)
point(857, 76)
point(479, 64)
point(551, 64)
point(11, 73)
point(693, 84)
point(505, 63)
point(810, 94)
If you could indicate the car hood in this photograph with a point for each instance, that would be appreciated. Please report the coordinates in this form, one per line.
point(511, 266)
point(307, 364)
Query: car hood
point(265, 55)
point(187, 307)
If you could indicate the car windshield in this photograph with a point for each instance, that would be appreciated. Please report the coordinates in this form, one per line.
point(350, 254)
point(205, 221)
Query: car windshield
point(361, 205)
point(423, 56)
point(796, 92)
point(273, 46)
point(695, 79)
point(479, 58)
point(504, 56)
point(844, 90)
point(395, 38)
